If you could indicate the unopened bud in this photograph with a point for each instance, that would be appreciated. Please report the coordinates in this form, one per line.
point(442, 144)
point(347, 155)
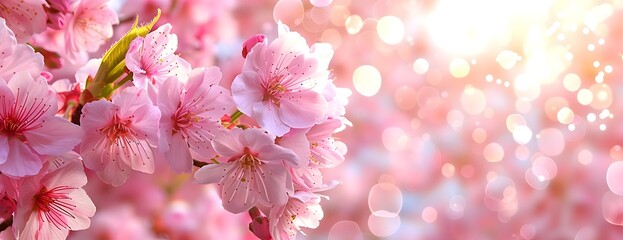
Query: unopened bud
point(251, 42)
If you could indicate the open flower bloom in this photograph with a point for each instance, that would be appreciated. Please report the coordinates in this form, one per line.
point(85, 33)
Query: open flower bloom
point(16, 57)
point(120, 135)
point(50, 204)
point(323, 149)
point(89, 27)
point(28, 128)
point(302, 210)
point(152, 59)
point(253, 169)
point(190, 116)
point(25, 17)
point(280, 83)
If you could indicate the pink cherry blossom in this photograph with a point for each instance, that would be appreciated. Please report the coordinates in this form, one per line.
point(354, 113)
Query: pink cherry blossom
point(57, 12)
point(16, 57)
point(252, 171)
point(50, 204)
point(278, 84)
point(152, 59)
point(28, 128)
point(302, 210)
point(24, 17)
point(323, 150)
point(89, 27)
point(190, 116)
point(120, 135)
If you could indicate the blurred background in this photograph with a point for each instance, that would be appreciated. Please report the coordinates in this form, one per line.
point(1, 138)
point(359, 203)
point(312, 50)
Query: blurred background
point(472, 119)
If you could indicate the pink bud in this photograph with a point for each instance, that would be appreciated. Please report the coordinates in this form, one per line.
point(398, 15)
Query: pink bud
point(62, 6)
point(56, 20)
point(46, 75)
point(260, 228)
point(251, 42)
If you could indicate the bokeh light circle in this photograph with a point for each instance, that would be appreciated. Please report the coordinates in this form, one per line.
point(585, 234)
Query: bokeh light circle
point(385, 200)
point(367, 80)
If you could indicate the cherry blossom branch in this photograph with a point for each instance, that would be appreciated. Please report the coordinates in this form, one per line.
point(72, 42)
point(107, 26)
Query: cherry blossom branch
point(6, 224)
point(199, 164)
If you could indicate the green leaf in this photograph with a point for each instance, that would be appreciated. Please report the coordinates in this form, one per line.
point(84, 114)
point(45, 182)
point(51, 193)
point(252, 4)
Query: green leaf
point(113, 61)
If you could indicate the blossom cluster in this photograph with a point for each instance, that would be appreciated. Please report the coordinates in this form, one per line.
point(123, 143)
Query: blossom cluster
point(263, 140)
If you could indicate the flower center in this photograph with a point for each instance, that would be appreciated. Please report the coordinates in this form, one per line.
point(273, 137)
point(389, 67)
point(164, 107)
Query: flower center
point(249, 160)
point(54, 205)
point(275, 88)
point(10, 126)
point(120, 129)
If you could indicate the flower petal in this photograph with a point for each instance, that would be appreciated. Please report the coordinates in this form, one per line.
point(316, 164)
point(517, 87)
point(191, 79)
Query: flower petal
point(226, 143)
point(21, 161)
point(23, 58)
point(267, 116)
point(302, 109)
point(212, 173)
point(55, 136)
point(178, 155)
point(4, 149)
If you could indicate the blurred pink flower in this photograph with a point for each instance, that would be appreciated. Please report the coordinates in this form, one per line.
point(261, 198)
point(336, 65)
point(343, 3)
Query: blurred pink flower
point(278, 81)
point(254, 170)
point(302, 210)
point(51, 204)
point(29, 129)
point(16, 57)
point(190, 116)
point(24, 17)
point(152, 60)
point(116, 223)
point(89, 27)
point(120, 135)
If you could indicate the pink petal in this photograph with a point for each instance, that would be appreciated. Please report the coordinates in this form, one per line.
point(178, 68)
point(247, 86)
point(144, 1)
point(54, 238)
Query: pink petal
point(169, 98)
point(212, 173)
point(4, 149)
point(115, 173)
point(146, 123)
point(71, 175)
point(141, 156)
point(239, 196)
point(23, 58)
point(178, 155)
point(96, 115)
point(247, 90)
point(55, 137)
point(21, 161)
point(25, 18)
point(129, 99)
point(273, 190)
point(84, 209)
point(296, 140)
point(7, 38)
point(267, 116)
point(226, 143)
point(255, 139)
point(302, 109)
point(33, 92)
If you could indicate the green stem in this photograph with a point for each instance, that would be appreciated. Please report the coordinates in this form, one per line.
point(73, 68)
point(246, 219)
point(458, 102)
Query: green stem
point(124, 80)
point(236, 115)
point(117, 71)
